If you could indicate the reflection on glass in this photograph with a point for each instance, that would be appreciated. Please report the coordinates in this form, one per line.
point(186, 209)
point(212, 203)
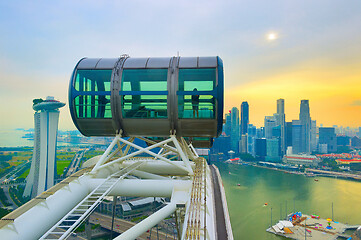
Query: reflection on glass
point(92, 106)
point(205, 108)
point(93, 80)
point(144, 93)
point(192, 101)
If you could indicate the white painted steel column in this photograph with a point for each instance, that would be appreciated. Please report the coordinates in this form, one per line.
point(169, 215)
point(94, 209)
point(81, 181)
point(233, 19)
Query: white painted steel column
point(148, 223)
point(33, 223)
point(160, 167)
point(103, 158)
point(181, 153)
point(146, 175)
point(134, 153)
point(156, 155)
point(143, 188)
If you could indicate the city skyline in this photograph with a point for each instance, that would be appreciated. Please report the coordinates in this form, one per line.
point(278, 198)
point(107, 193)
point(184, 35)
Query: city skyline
point(271, 50)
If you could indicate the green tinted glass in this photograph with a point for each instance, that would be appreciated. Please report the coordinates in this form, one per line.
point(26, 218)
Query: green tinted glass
point(144, 106)
point(92, 106)
point(144, 80)
point(204, 108)
point(202, 79)
point(193, 80)
point(149, 105)
point(93, 80)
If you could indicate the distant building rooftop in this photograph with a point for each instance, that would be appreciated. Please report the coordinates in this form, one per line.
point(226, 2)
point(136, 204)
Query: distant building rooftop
point(47, 105)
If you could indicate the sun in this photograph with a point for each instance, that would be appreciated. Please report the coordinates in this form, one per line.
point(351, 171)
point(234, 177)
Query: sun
point(271, 36)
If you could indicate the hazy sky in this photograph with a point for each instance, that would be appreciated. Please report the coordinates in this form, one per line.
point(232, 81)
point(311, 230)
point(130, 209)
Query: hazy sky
point(316, 54)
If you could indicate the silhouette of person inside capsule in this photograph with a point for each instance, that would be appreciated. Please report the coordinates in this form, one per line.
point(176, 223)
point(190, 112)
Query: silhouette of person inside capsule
point(195, 103)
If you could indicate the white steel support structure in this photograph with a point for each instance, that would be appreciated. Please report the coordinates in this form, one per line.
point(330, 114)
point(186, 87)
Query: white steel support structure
point(175, 172)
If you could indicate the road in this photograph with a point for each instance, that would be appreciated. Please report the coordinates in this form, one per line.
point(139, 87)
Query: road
point(15, 171)
point(74, 165)
point(121, 225)
point(10, 200)
point(71, 237)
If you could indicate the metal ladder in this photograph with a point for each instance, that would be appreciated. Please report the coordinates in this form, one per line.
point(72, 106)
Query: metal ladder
point(65, 227)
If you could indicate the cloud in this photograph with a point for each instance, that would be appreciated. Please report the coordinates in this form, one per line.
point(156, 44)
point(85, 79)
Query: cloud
point(356, 103)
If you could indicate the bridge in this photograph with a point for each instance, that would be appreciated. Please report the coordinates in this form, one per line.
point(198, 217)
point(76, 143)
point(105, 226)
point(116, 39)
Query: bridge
point(334, 174)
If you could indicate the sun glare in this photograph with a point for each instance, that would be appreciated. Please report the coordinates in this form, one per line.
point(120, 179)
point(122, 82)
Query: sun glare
point(271, 36)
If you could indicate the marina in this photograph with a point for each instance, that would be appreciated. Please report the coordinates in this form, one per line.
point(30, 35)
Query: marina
point(302, 226)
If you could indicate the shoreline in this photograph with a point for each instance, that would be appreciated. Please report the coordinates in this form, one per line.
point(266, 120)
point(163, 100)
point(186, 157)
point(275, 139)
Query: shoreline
point(329, 174)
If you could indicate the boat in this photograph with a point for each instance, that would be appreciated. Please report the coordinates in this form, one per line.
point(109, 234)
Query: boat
point(238, 184)
point(266, 204)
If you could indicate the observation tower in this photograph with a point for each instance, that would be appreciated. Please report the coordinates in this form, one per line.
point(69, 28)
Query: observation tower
point(173, 104)
point(43, 165)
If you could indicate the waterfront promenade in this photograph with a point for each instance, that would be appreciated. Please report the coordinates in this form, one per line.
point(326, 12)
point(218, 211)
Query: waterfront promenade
point(284, 192)
point(314, 228)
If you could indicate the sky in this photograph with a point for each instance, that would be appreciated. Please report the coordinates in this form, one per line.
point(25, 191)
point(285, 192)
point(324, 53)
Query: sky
point(314, 53)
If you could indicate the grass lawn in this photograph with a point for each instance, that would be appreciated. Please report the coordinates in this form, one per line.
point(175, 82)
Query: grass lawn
point(25, 174)
point(61, 165)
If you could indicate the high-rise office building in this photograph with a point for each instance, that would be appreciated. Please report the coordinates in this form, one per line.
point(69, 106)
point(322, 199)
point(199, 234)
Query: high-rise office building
point(327, 136)
point(273, 150)
point(261, 148)
point(269, 123)
point(235, 129)
point(43, 165)
point(282, 123)
point(227, 125)
point(313, 135)
point(244, 117)
point(296, 136)
point(251, 139)
point(288, 134)
point(305, 120)
point(243, 143)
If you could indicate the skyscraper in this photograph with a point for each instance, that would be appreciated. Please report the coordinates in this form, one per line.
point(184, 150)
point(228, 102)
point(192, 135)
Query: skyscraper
point(313, 135)
point(288, 134)
point(269, 123)
point(296, 136)
point(273, 150)
point(244, 117)
point(328, 136)
point(305, 120)
point(43, 166)
point(227, 125)
point(235, 129)
point(282, 123)
point(261, 148)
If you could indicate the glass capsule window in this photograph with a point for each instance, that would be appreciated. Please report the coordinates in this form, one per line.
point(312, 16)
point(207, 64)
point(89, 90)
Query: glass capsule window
point(92, 106)
point(144, 93)
point(93, 80)
point(94, 89)
point(196, 95)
